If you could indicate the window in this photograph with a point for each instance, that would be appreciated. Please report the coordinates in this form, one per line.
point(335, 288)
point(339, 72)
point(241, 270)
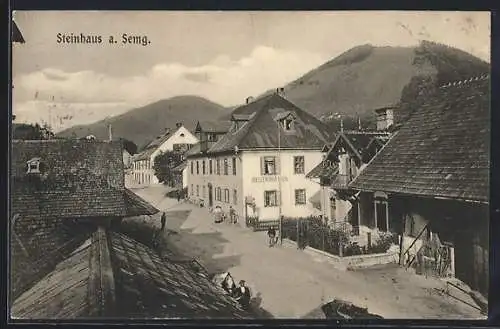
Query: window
point(197, 167)
point(33, 166)
point(270, 198)
point(226, 167)
point(298, 164)
point(288, 124)
point(226, 195)
point(300, 196)
point(180, 147)
point(218, 194)
point(217, 167)
point(235, 197)
point(192, 190)
point(204, 192)
point(210, 166)
point(192, 168)
point(203, 167)
point(234, 166)
point(211, 137)
point(197, 190)
point(268, 166)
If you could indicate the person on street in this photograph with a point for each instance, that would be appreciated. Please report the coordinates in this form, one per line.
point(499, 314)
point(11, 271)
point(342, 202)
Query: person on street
point(232, 215)
point(243, 295)
point(178, 196)
point(163, 221)
point(271, 233)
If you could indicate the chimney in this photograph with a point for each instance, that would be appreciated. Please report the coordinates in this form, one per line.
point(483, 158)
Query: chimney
point(249, 100)
point(110, 133)
point(385, 118)
point(178, 124)
point(280, 92)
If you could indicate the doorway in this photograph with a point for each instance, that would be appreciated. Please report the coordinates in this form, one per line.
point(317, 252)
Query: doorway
point(210, 195)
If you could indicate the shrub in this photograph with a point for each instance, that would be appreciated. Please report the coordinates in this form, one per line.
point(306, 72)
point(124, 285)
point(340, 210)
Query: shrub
point(251, 221)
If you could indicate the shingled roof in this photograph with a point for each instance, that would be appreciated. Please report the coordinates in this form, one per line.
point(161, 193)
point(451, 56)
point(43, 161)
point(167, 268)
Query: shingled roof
point(213, 126)
point(112, 275)
point(359, 143)
point(442, 150)
point(78, 178)
point(260, 131)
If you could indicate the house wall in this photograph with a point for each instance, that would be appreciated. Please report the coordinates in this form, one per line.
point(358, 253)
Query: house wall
point(143, 172)
point(199, 181)
point(463, 225)
point(180, 136)
point(255, 184)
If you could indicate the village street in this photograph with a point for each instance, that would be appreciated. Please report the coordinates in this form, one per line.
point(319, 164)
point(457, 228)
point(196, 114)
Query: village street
point(291, 283)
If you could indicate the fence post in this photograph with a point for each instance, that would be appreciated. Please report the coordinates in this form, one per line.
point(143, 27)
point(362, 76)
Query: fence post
point(298, 234)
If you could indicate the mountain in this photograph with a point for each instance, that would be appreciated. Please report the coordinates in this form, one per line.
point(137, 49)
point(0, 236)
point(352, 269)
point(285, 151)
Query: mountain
point(353, 84)
point(143, 124)
point(366, 77)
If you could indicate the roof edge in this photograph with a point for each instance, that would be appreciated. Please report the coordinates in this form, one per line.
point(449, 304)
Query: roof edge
point(101, 288)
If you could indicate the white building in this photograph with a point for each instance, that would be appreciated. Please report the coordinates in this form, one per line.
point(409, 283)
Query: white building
point(259, 166)
point(178, 139)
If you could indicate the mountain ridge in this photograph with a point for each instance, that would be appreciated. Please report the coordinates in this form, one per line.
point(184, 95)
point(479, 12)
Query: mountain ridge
point(352, 84)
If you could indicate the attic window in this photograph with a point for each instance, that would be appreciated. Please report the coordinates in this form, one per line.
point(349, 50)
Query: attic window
point(182, 134)
point(33, 166)
point(288, 124)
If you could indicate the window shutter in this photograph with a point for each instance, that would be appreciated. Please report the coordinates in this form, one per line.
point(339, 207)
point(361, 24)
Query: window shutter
point(262, 164)
point(277, 165)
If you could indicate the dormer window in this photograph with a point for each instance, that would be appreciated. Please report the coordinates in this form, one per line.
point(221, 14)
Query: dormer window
point(288, 124)
point(33, 166)
point(212, 137)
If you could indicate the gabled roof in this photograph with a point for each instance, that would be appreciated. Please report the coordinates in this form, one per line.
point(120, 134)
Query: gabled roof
point(79, 178)
point(442, 150)
point(323, 170)
point(261, 130)
point(358, 142)
point(137, 206)
point(144, 155)
point(113, 275)
point(213, 126)
point(17, 36)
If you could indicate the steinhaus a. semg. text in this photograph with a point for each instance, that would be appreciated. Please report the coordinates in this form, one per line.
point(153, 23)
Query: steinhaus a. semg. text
point(81, 38)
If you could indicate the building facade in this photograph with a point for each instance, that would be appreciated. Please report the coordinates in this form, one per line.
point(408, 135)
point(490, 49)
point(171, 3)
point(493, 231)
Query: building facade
point(259, 167)
point(179, 139)
point(430, 184)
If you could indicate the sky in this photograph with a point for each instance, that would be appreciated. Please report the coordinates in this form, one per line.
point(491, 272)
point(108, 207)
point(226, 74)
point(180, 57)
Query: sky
point(222, 56)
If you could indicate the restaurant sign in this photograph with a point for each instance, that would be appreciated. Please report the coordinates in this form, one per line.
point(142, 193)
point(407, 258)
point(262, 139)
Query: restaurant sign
point(269, 179)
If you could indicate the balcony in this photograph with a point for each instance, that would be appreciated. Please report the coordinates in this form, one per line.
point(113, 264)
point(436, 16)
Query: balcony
point(341, 181)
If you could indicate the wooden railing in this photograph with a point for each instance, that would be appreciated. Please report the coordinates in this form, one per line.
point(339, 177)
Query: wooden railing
point(407, 252)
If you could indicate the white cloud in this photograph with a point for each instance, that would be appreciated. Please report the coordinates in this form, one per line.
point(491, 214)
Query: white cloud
point(90, 96)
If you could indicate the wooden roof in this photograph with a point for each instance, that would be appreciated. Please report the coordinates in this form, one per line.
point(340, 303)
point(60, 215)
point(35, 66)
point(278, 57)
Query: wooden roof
point(442, 150)
point(213, 126)
point(113, 275)
point(261, 130)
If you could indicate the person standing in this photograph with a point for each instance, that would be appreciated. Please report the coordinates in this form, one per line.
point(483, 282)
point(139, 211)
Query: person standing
point(163, 221)
point(271, 233)
point(243, 295)
point(232, 215)
point(178, 196)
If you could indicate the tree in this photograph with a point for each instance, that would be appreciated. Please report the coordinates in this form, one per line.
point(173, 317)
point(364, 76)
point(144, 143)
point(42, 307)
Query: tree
point(163, 165)
point(129, 146)
point(31, 132)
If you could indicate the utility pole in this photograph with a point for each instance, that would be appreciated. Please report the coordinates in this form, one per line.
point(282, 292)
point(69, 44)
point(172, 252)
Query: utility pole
point(279, 185)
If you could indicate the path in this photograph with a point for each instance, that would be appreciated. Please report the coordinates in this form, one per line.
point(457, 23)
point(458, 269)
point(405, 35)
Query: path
point(292, 283)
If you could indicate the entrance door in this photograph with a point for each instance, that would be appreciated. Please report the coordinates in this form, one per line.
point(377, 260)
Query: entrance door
point(210, 196)
point(381, 210)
